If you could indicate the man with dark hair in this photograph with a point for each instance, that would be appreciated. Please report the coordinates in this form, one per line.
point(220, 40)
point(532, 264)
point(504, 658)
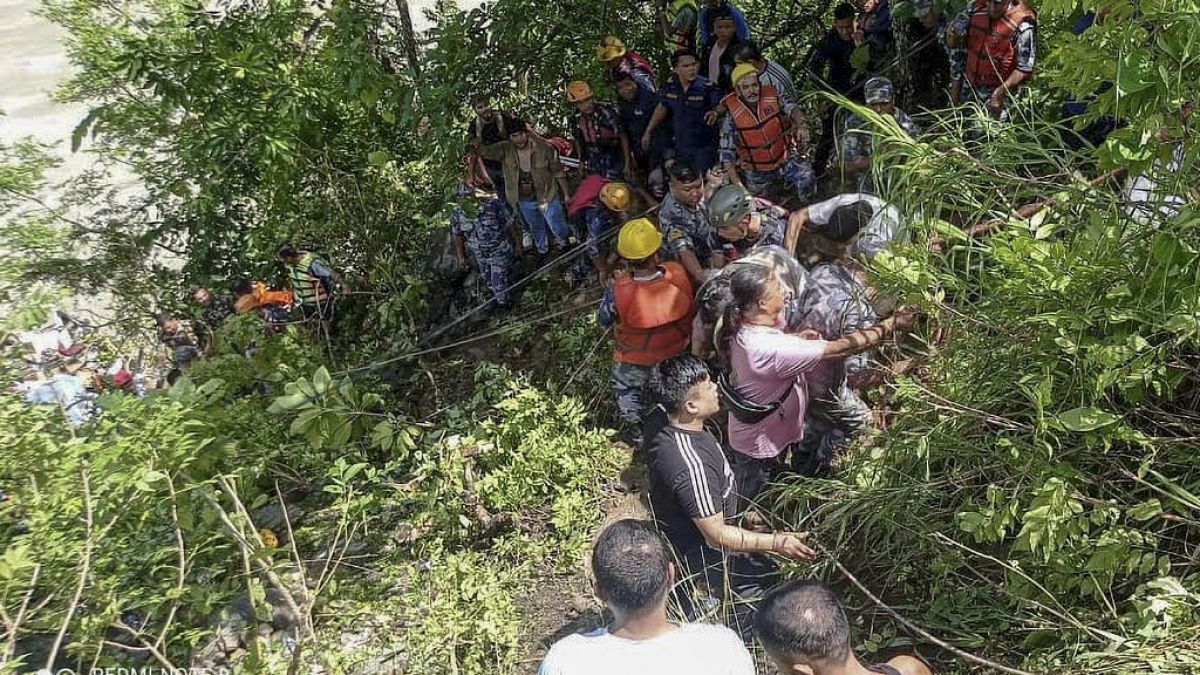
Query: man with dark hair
point(881, 223)
point(691, 101)
point(804, 629)
point(487, 128)
point(829, 62)
point(692, 492)
point(534, 183)
point(635, 105)
point(211, 312)
point(716, 58)
point(313, 282)
point(634, 575)
point(713, 9)
point(684, 221)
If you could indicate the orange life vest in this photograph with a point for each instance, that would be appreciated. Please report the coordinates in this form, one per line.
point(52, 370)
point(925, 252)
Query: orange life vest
point(762, 141)
point(262, 296)
point(654, 317)
point(991, 52)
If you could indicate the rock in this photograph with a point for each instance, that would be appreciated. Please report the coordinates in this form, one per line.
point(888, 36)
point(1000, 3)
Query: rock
point(271, 517)
point(227, 639)
point(265, 630)
point(282, 615)
point(354, 640)
point(237, 655)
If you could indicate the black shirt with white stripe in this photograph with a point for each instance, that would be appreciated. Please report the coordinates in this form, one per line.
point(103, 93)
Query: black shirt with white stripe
point(689, 478)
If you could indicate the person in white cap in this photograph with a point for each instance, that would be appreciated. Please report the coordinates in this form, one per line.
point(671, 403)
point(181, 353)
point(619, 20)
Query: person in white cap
point(858, 142)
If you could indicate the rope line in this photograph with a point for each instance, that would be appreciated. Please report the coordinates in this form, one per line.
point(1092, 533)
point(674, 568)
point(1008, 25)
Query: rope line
point(570, 253)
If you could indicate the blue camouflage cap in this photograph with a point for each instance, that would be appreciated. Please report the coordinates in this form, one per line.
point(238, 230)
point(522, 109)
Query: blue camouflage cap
point(877, 90)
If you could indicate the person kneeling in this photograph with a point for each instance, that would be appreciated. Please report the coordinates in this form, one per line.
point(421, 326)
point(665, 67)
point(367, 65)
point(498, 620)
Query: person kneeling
point(634, 575)
point(692, 492)
point(804, 629)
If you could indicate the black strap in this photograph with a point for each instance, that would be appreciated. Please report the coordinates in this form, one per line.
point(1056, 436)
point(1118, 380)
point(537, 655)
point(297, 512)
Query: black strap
point(884, 669)
point(742, 408)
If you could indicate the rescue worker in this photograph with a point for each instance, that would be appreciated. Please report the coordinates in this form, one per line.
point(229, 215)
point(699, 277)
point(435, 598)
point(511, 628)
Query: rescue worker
point(858, 145)
point(623, 201)
point(636, 105)
point(829, 62)
point(884, 224)
point(590, 204)
point(618, 58)
point(769, 72)
point(713, 8)
point(875, 23)
point(716, 57)
point(999, 37)
point(650, 309)
point(691, 101)
point(836, 302)
point(487, 128)
point(313, 282)
point(684, 221)
point(213, 311)
point(928, 14)
point(757, 137)
point(482, 224)
point(534, 183)
point(600, 140)
point(741, 223)
point(679, 19)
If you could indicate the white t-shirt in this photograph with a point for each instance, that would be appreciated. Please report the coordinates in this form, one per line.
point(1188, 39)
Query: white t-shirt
point(884, 227)
point(690, 649)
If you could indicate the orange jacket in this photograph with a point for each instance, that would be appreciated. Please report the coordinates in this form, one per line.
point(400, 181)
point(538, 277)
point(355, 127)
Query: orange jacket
point(762, 140)
point(261, 296)
point(991, 50)
point(654, 317)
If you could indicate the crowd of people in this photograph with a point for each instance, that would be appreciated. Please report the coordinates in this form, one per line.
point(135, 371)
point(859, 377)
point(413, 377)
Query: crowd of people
point(746, 330)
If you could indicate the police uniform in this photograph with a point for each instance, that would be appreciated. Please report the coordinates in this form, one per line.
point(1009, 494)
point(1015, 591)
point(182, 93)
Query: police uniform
point(599, 137)
point(859, 142)
point(771, 232)
point(694, 141)
point(755, 138)
point(684, 229)
point(834, 304)
point(487, 239)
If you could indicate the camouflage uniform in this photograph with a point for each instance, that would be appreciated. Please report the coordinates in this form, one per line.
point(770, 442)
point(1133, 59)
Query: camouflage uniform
point(1025, 46)
point(684, 229)
point(770, 233)
point(834, 304)
point(488, 242)
point(859, 142)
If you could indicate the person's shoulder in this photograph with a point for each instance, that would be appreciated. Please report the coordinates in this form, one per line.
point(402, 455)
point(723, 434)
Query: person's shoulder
point(713, 639)
point(571, 650)
point(909, 665)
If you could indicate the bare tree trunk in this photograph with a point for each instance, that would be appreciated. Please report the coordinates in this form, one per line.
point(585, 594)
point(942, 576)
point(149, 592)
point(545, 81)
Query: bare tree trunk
point(410, 37)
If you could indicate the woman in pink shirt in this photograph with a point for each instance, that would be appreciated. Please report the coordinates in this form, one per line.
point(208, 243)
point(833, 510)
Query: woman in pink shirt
point(768, 370)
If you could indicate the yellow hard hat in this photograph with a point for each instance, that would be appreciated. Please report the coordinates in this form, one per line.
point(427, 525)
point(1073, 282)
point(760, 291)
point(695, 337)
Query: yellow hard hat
point(611, 47)
point(638, 239)
point(615, 196)
point(578, 91)
point(743, 70)
point(268, 537)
